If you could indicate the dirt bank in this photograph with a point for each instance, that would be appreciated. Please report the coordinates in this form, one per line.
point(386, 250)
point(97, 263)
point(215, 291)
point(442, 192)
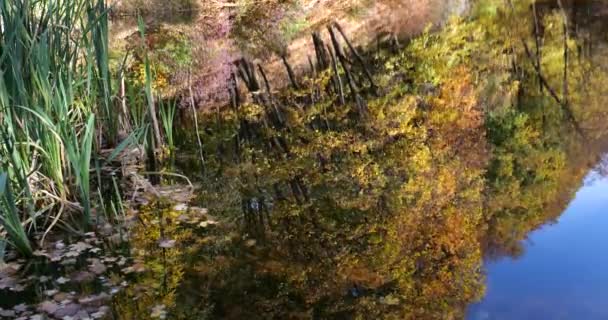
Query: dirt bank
point(217, 44)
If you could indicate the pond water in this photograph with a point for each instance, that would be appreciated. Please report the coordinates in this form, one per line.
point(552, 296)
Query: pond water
point(562, 272)
point(346, 244)
point(459, 181)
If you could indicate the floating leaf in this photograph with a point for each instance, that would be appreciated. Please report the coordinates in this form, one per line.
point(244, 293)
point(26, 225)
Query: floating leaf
point(67, 309)
point(159, 312)
point(101, 313)
point(41, 253)
point(62, 280)
point(22, 307)
point(59, 245)
point(83, 276)
point(167, 244)
point(97, 266)
point(50, 293)
point(49, 307)
point(180, 207)
point(7, 313)
point(207, 223)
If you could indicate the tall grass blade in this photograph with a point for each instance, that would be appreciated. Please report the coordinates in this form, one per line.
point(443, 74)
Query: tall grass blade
point(167, 116)
point(9, 217)
point(148, 88)
point(2, 250)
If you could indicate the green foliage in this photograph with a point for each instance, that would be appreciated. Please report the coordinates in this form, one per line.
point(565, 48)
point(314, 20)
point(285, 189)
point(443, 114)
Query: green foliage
point(292, 28)
point(57, 107)
point(2, 250)
point(169, 54)
point(395, 201)
point(167, 115)
point(10, 218)
point(263, 28)
point(80, 158)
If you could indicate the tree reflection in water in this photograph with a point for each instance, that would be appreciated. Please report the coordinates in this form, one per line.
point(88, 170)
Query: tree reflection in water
point(385, 210)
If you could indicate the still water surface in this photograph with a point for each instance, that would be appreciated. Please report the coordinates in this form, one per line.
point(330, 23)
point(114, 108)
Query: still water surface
point(562, 273)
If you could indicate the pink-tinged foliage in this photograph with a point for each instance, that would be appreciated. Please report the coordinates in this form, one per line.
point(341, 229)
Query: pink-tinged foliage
point(214, 58)
point(227, 35)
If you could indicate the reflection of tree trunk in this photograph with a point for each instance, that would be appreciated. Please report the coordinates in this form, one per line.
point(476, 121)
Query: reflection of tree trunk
point(337, 79)
point(590, 49)
point(295, 191)
point(234, 103)
point(151, 165)
point(313, 70)
point(279, 118)
point(538, 59)
point(537, 42)
point(290, 73)
point(565, 26)
point(349, 77)
point(358, 57)
point(247, 73)
point(322, 59)
point(266, 83)
point(565, 107)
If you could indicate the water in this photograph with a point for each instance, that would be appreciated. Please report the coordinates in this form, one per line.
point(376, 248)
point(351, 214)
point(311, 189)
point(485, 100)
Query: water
point(440, 203)
point(562, 274)
point(336, 233)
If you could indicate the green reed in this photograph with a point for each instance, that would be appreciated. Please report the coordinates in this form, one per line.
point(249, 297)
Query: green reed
point(167, 116)
point(10, 218)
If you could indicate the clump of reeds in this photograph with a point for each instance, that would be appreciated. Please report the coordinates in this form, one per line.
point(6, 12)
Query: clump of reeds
point(58, 108)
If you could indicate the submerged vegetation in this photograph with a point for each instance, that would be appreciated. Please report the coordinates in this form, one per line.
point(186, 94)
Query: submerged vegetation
point(371, 187)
